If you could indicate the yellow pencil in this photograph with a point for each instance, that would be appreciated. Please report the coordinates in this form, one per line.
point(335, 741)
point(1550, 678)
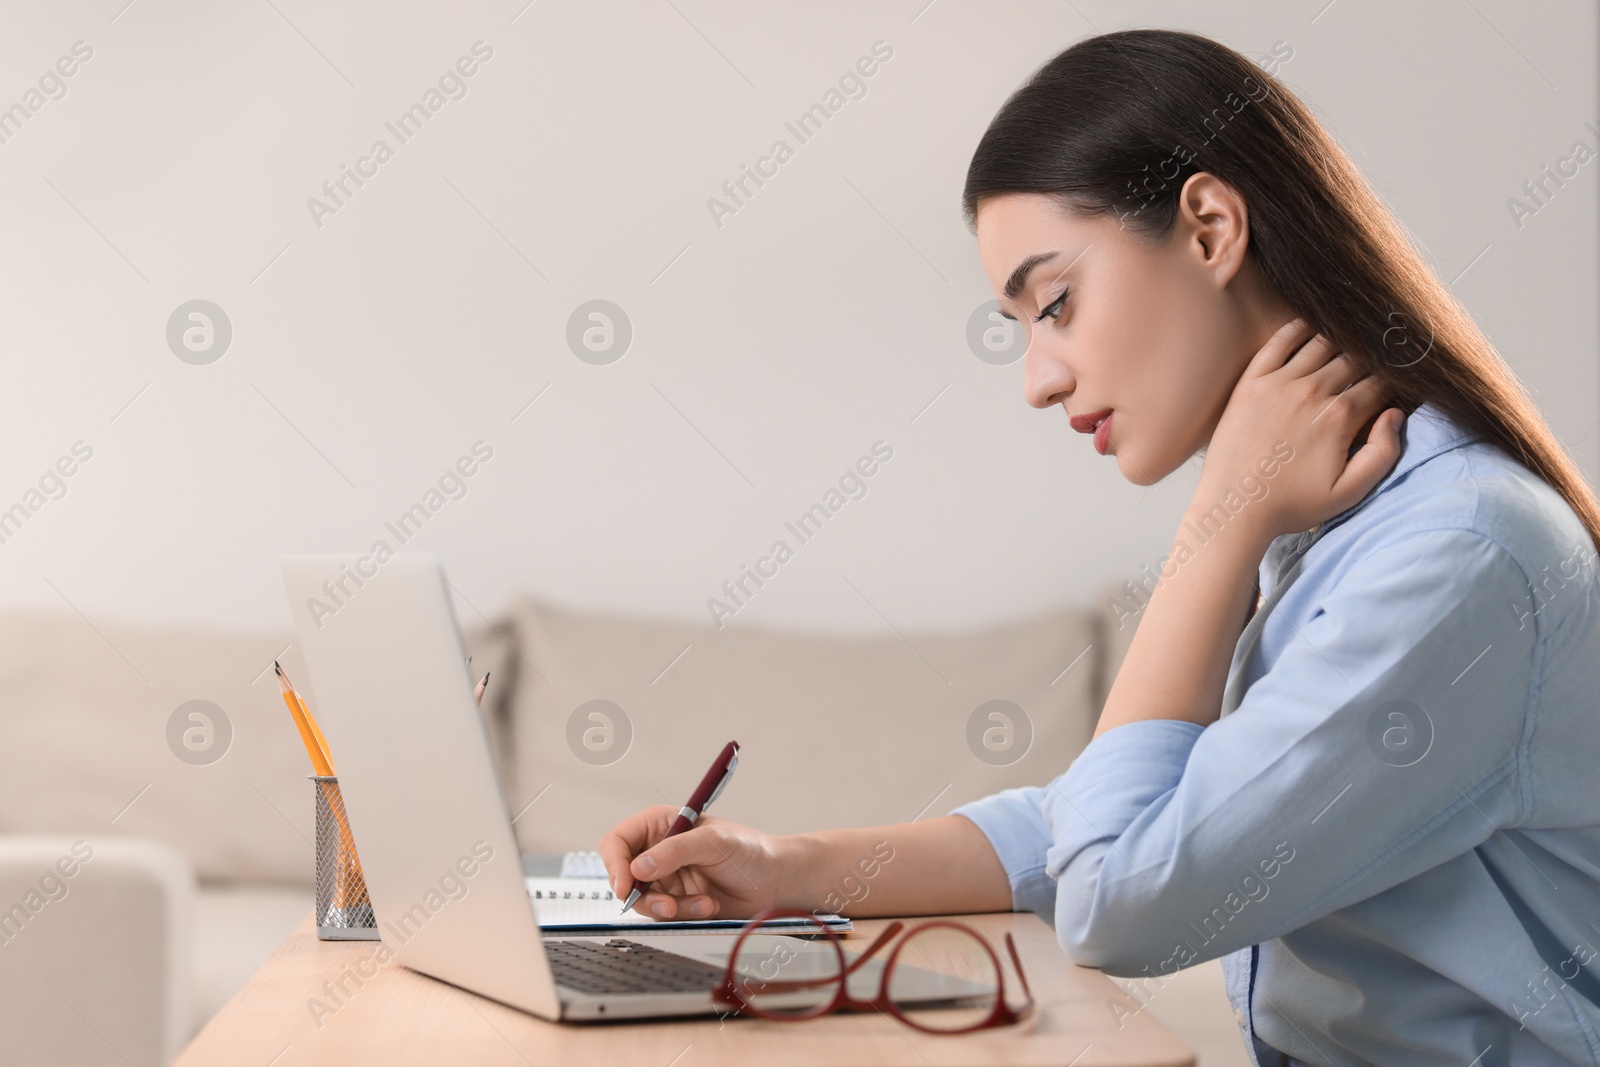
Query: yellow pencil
point(322, 742)
point(311, 720)
point(310, 736)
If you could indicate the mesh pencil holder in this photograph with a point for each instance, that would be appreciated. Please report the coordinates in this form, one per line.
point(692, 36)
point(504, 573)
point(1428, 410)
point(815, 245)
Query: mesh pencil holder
point(344, 913)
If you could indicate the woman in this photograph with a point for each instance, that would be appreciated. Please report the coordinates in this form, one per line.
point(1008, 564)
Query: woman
point(1378, 803)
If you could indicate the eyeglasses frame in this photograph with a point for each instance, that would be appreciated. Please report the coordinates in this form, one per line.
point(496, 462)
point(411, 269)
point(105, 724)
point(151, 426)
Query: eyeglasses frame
point(1002, 1014)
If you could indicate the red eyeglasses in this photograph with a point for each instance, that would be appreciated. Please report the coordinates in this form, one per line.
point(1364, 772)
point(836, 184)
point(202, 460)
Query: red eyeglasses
point(943, 977)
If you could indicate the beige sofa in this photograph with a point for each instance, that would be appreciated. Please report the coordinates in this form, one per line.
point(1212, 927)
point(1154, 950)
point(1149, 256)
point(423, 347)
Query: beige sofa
point(201, 841)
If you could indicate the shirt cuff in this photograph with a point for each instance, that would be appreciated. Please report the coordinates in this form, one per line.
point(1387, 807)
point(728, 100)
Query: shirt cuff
point(1010, 820)
point(1112, 782)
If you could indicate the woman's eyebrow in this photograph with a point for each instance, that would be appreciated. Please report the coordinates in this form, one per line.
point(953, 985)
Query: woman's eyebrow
point(1019, 277)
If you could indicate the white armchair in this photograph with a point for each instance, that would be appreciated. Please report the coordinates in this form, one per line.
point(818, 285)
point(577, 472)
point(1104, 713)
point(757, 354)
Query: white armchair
point(96, 940)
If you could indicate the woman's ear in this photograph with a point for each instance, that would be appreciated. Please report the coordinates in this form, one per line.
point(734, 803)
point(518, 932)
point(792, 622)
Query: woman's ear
point(1214, 223)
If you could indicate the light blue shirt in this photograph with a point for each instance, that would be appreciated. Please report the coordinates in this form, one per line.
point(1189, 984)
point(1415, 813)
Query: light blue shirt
point(1393, 839)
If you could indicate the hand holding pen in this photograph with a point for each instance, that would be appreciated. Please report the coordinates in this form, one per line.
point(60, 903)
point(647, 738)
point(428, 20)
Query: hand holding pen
point(715, 869)
point(711, 786)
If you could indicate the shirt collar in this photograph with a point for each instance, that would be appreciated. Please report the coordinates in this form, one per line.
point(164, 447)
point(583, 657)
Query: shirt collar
point(1427, 432)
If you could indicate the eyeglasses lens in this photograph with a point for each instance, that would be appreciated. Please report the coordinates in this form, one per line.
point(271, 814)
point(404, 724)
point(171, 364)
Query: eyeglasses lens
point(944, 979)
point(780, 977)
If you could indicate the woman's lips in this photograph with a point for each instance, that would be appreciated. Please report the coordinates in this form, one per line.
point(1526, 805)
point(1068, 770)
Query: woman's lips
point(1097, 423)
point(1085, 423)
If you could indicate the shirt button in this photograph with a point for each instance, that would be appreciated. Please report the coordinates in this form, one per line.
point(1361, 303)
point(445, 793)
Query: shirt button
point(1239, 1017)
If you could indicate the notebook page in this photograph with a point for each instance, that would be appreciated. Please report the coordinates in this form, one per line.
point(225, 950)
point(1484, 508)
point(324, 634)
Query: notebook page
point(590, 902)
point(580, 900)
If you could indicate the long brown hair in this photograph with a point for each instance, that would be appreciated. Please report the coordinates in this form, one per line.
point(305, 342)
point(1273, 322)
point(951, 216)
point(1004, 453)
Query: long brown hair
point(1116, 123)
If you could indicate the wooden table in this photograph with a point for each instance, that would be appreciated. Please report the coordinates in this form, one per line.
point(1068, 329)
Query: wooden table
point(399, 1017)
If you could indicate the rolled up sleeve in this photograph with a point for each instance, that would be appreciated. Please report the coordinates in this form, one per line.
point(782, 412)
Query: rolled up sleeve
point(1016, 830)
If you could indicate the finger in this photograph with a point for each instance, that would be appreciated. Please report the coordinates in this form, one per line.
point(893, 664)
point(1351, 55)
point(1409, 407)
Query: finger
point(1338, 374)
point(630, 837)
point(667, 906)
point(616, 854)
point(1279, 347)
point(1312, 356)
point(701, 906)
point(1354, 405)
point(692, 848)
point(661, 905)
point(1371, 461)
point(1362, 400)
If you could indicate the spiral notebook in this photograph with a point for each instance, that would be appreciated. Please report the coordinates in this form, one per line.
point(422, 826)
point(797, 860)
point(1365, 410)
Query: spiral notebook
point(581, 902)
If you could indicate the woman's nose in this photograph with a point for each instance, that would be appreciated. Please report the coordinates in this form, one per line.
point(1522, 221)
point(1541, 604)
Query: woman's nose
point(1046, 379)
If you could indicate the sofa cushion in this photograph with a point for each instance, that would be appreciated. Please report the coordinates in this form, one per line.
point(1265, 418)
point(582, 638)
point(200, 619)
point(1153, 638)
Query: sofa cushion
point(84, 743)
point(834, 730)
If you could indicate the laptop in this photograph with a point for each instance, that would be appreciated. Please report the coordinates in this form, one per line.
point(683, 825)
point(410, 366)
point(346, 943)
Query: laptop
point(432, 827)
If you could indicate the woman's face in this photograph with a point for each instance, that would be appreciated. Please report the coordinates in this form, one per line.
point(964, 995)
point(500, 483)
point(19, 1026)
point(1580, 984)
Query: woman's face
point(1157, 334)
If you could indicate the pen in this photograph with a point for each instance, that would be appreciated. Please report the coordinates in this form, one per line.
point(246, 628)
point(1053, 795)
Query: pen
point(710, 788)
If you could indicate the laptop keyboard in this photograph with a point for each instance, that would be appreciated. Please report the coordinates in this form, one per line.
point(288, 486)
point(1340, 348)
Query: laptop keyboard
point(623, 966)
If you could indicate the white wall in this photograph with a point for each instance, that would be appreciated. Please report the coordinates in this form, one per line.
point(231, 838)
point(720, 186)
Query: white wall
point(768, 353)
